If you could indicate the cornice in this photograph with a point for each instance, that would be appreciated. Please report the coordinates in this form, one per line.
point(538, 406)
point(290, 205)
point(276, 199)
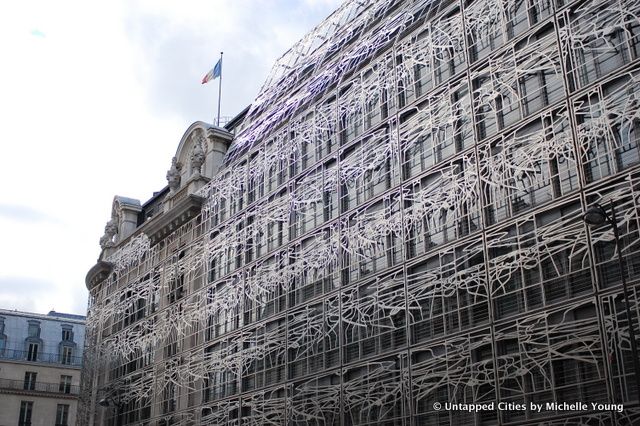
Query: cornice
point(98, 273)
point(165, 223)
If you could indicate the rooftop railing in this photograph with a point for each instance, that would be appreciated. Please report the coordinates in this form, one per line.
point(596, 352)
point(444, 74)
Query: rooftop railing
point(48, 358)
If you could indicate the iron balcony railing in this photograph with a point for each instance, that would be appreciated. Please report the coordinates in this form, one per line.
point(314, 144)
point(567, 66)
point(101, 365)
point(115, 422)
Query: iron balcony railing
point(59, 388)
point(49, 358)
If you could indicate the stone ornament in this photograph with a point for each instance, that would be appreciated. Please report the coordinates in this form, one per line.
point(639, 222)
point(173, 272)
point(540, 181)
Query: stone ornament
point(110, 230)
point(173, 175)
point(197, 158)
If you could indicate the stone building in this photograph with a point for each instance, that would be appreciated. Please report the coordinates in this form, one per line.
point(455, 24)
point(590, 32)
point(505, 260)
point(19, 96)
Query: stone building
point(40, 362)
point(395, 224)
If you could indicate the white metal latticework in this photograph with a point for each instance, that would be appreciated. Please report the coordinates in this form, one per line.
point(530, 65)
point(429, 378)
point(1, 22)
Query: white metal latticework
point(398, 223)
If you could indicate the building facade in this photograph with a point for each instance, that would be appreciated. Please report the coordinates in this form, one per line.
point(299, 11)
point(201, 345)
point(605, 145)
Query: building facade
point(40, 363)
point(394, 225)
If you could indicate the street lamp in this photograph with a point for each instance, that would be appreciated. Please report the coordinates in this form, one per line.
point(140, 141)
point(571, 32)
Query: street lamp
point(596, 216)
point(109, 401)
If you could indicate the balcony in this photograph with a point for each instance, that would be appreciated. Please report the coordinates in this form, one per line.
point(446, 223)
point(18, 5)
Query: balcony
point(47, 358)
point(38, 387)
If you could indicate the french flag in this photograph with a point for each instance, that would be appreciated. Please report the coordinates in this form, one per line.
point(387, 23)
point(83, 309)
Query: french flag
point(214, 73)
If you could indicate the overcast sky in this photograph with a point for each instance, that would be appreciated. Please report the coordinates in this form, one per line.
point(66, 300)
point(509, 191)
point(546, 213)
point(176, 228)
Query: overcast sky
point(94, 98)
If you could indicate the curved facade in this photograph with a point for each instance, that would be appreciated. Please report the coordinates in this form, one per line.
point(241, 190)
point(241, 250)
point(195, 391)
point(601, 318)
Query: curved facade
point(395, 223)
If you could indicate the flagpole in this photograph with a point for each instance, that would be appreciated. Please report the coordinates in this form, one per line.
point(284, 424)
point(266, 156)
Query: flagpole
point(220, 90)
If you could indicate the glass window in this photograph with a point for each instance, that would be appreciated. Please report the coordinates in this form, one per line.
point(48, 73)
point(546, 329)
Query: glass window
point(62, 415)
point(67, 334)
point(65, 384)
point(34, 329)
point(67, 355)
point(26, 407)
point(608, 126)
point(595, 54)
point(3, 337)
point(32, 353)
point(30, 380)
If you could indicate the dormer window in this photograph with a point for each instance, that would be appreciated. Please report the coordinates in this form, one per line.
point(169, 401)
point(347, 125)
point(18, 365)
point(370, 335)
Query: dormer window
point(67, 333)
point(33, 343)
point(34, 329)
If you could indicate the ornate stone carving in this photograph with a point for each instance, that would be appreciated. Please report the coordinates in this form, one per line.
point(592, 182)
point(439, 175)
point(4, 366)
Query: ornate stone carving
point(173, 175)
point(110, 230)
point(197, 158)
